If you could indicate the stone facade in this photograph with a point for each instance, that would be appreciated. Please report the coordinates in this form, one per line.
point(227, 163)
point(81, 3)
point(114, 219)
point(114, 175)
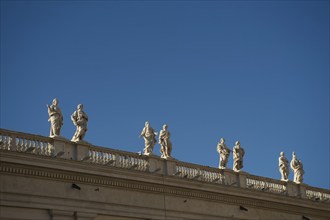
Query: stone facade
point(54, 178)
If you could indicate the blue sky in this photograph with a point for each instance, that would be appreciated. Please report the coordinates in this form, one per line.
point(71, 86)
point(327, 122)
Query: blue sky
point(254, 71)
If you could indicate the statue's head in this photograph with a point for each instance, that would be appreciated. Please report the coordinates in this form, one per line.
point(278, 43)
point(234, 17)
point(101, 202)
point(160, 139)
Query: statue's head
point(147, 124)
point(222, 140)
point(55, 101)
point(80, 106)
point(165, 127)
point(237, 143)
point(282, 154)
point(293, 154)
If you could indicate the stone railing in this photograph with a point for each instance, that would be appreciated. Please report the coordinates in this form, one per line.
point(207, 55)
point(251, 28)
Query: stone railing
point(127, 160)
point(88, 153)
point(16, 141)
point(317, 194)
point(265, 184)
point(203, 173)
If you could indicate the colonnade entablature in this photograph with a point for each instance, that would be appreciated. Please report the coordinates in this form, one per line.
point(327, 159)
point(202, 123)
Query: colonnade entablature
point(83, 152)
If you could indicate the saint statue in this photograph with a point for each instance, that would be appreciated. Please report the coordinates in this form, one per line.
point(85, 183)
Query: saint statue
point(55, 118)
point(149, 135)
point(297, 168)
point(164, 141)
point(224, 153)
point(283, 164)
point(238, 154)
point(79, 119)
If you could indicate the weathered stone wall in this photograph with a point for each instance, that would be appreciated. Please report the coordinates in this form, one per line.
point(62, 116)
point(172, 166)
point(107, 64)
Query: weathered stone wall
point(38, 173)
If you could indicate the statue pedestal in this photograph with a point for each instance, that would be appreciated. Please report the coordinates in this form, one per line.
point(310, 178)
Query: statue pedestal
point(296, 190)
point(164, 166)
point(63, 148)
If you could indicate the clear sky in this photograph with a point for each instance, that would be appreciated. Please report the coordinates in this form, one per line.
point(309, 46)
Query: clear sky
point(254, 71)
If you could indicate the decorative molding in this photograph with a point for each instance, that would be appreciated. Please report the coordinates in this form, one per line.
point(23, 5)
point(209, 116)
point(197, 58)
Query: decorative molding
point(66, 176)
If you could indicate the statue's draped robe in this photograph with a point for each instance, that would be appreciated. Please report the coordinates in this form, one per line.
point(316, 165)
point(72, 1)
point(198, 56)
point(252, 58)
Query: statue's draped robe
point(56, 120)
point(149, 136)
point(80, 119)
point(166, 145)
point(238, 154)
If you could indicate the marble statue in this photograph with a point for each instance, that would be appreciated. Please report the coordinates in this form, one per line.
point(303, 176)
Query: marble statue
point(55, 118)
point(224, 154)
point(238, 154)
point(297, 168)
point(165, 143)
point(79, 119)
point(149, 135)
point(283, 164)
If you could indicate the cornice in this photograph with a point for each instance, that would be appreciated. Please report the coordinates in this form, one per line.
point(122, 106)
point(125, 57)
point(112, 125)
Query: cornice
point(168, 186)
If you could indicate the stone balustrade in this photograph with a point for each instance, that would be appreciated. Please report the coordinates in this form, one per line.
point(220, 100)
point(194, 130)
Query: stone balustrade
point(267, 185)
point(22, 142)
point(88, 153)
point(200, 173)
point(127, 160)
point(318, 194)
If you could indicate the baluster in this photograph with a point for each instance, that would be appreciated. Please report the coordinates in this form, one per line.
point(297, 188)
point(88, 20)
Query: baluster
point(40, 147)
point(121, 161)
point(145, 165)
point(101, 157)
point(131, 161)
point(2, 143)
point(96, 156)
point(105, 158)
point(128, 162)
point(109, 158)
point(43, 150)
point(47, 148)
point(124, 161)
point(93, 156)
point(20, 144)
point(35, 149)
point(141, 164)
point(23, 144)
point(113, 158)
point(26, 144)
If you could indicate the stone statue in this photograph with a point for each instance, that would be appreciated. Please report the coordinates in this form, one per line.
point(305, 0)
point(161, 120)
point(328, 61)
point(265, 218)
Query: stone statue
point(283, 164)
point(149, 135)
point(164, 141)
point(297, 168)
point(55, 118)
point(238, 154)
point(80, 119)
point(224, 154)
